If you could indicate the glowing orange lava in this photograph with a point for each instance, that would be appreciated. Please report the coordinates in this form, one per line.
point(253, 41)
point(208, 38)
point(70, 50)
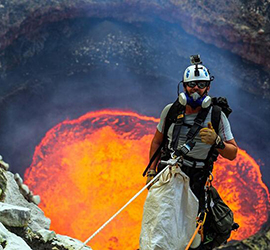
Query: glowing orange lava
point(86, 169)
point(240, 184)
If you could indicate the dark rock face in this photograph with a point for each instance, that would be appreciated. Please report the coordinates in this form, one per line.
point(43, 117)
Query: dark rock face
point(238, 26)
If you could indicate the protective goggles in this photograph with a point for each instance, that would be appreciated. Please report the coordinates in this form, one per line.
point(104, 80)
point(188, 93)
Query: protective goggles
point(200, 84)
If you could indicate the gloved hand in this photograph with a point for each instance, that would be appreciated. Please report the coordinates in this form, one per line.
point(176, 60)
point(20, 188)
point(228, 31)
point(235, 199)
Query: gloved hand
point(208, 135)
point(150, 175)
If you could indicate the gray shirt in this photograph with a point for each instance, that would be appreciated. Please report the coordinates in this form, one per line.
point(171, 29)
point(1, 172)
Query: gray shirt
point(200, 151)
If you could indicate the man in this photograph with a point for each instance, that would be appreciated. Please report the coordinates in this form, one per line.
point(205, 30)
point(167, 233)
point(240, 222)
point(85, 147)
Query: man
point(194, 100)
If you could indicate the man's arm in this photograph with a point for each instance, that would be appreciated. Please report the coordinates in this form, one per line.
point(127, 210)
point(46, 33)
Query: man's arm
point(230, 150)
point(156, 142)
point(209, 136)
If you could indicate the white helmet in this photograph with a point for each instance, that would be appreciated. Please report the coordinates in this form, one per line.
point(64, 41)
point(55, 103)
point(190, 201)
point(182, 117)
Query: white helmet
point(196, 73)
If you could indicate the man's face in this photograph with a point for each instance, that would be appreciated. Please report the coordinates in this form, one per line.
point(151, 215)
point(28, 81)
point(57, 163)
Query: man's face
point(197, 89)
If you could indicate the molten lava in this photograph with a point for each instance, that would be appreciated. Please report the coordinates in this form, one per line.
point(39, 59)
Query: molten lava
point(86, 169)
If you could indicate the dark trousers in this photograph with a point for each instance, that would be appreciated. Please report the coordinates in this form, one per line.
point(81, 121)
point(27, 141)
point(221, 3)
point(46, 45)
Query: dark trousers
point(198, 179)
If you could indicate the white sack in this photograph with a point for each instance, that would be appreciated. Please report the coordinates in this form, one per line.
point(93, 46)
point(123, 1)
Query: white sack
point(170, 211)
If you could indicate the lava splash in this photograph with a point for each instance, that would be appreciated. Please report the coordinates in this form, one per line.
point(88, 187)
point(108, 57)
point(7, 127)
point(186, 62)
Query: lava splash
point(86, 169)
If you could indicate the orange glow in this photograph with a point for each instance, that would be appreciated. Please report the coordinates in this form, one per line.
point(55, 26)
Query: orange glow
point(86, 169)
point(240, 185)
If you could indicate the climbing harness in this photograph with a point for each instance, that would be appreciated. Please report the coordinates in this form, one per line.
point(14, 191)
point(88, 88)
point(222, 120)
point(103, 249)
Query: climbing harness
point(193, 131)
point(201, 218)
point(176, 115)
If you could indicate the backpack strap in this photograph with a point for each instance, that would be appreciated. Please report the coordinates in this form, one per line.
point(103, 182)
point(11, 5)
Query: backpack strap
point(215, 117)
point(171, 117)
point(213, 153)
point(193, 131)
point(198, 123)
point(177, 129)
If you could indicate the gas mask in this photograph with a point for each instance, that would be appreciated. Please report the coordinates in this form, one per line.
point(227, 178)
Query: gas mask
point(194, 100)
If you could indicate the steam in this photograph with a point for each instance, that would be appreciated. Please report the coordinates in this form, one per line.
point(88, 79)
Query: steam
point(110, 64)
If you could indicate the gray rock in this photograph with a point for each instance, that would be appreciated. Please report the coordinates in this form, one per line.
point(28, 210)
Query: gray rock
point(13, 196)
point(46, 235)
point(14, 216)
point(16, 212)
point(36, 199)
point(12, 241)
point(3, 183)
point(25, 190)
point(18, 179)
point(68, 243)
point(4, 165)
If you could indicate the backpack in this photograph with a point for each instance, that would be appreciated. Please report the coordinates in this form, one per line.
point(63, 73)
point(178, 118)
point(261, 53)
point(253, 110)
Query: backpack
point(219, 222)
point(219, 104)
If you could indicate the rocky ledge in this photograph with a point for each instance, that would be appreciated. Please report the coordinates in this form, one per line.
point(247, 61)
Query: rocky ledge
point(23, 225)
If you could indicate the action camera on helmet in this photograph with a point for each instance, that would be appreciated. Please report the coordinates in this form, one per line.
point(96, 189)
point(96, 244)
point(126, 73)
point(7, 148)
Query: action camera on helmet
point(195, 59)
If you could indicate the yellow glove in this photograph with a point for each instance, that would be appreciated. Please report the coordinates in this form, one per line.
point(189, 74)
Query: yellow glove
point(208, 135)
point(150, 175)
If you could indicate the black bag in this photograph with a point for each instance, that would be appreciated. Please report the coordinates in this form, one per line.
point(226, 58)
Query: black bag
point(220, 221)
point(219, 104)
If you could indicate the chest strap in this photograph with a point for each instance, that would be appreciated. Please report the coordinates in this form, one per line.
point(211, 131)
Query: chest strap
point(198, 124)
point(193, 131)
point(177, 129)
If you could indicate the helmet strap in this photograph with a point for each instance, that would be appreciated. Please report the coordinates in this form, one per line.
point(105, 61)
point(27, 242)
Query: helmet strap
point(178, 86)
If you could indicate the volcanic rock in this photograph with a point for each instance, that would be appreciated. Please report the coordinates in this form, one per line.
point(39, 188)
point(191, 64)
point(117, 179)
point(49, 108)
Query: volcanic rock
point(237, 26)
point(26, 227)
point(18, 179)
point(68, 243)
point(232, 25)
point(46, 235)
point(3, 183)
point(36, 199)
point(24, 189)
point(3, 164)
point(14, 216)
point(13, 196)
point(11, 241)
